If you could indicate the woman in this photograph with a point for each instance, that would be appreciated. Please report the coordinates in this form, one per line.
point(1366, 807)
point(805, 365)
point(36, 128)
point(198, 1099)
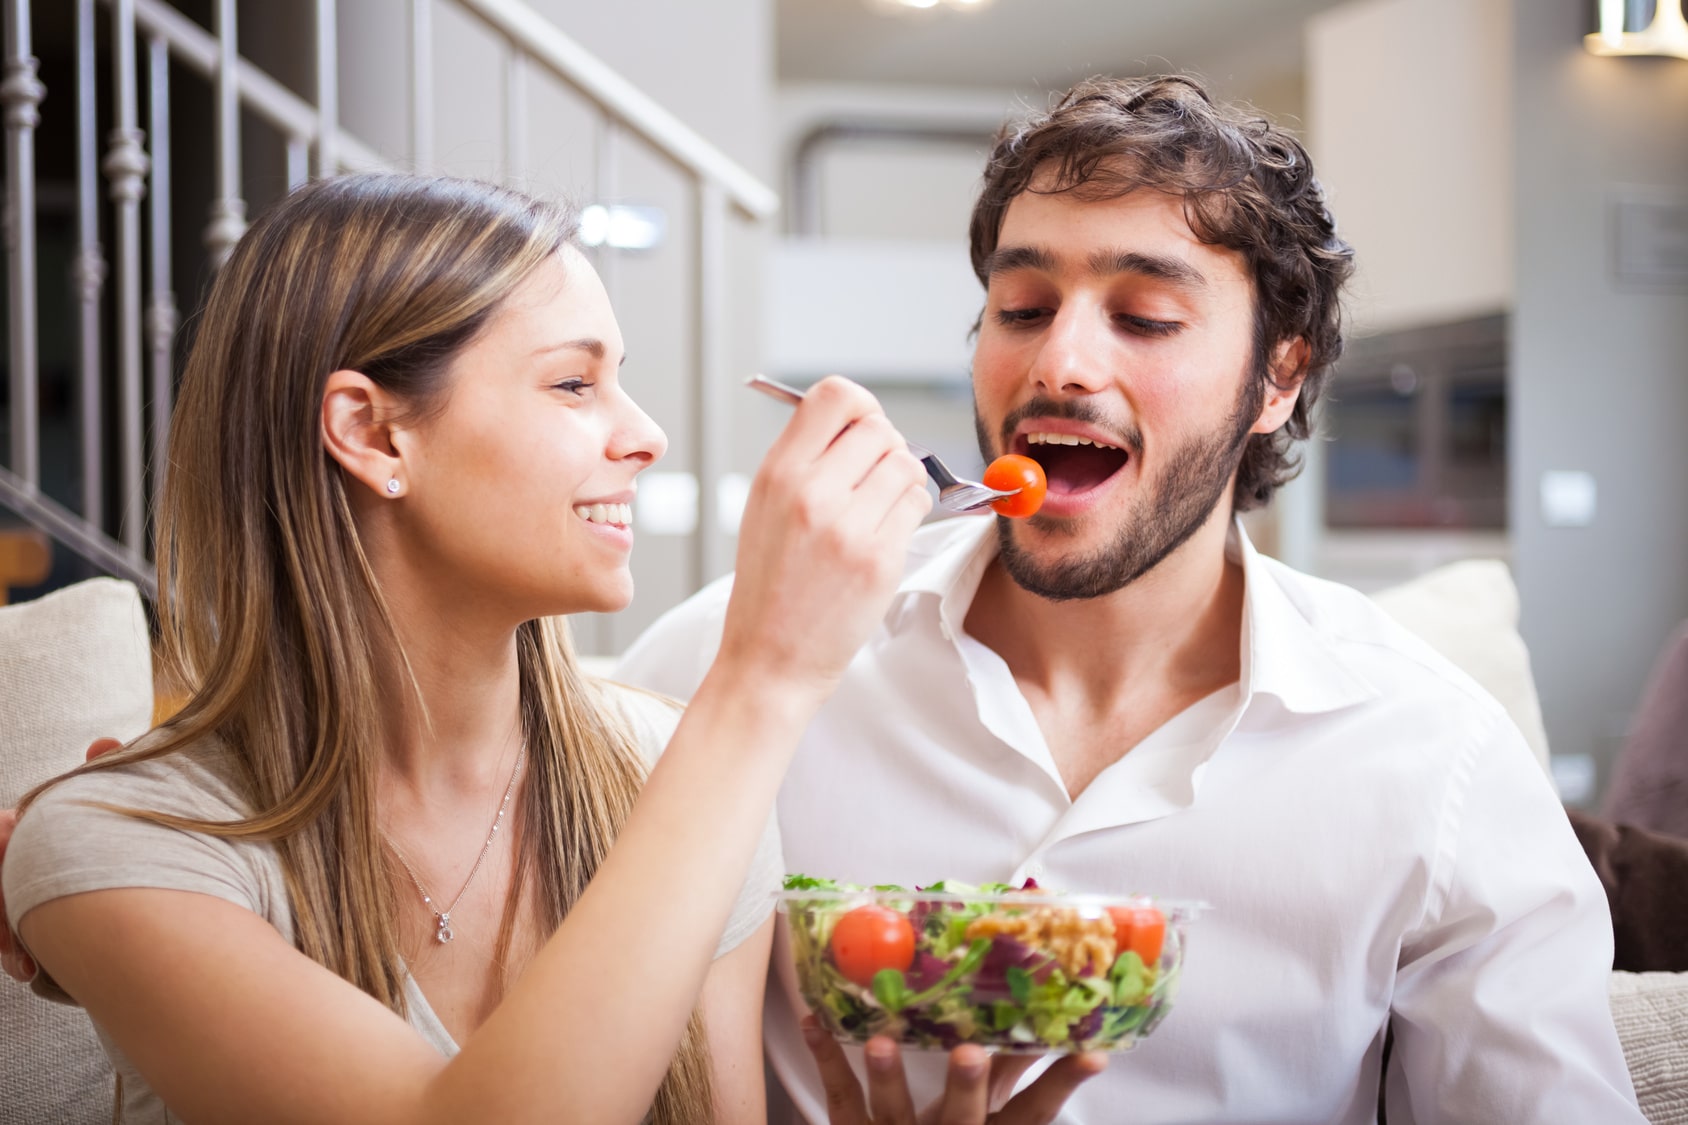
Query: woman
point(380, 829)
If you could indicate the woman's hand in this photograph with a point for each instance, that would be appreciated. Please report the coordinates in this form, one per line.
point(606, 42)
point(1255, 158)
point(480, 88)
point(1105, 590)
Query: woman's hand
point(17, 964)
point(974, 1082)
point(823, 540)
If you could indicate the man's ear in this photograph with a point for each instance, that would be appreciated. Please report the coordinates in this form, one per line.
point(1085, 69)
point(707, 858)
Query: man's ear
point(1283, 387)
point(356, 434)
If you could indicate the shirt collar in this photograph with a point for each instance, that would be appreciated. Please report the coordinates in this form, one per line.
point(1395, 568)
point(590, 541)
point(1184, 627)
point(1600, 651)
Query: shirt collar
point(1284, 653)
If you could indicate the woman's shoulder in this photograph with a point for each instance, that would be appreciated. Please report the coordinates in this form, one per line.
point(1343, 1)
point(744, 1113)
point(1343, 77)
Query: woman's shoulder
point(82, 834)
point(196, 781)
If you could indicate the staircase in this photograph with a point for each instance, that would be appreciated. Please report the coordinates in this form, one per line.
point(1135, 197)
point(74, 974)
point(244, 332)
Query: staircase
point(93, 341)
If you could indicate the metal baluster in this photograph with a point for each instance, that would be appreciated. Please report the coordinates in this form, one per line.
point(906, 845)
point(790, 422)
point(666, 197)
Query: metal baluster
point(21, 92)
point(228, 210)
point(422, 84)
point(126, 168)
point(298, 162)
point(710, 276)
point(515, 115)
point(161, 309)
point(328, 111)
point(88, 268)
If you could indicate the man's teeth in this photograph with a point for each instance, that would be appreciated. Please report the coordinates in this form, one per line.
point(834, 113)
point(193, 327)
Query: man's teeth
point(1065, 439)
point(606, 513)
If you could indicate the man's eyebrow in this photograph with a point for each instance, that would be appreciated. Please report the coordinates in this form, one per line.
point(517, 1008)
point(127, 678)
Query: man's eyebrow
point(1006, 258)
point(1160, 267)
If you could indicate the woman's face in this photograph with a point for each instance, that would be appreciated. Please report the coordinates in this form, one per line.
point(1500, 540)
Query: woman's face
point(519, 490)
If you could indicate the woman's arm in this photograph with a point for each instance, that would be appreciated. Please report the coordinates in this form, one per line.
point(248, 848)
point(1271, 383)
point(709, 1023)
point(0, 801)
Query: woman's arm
point(228, 1022)
point(732, 1010)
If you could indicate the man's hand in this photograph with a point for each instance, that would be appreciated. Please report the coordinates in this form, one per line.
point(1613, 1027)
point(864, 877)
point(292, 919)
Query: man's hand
point(17, 964)
point(975, 1081)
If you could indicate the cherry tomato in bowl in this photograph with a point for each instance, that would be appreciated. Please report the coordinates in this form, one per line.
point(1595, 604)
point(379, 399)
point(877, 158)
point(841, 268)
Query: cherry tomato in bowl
point(1141, 929)
point(1011, 471)
point(870, 938)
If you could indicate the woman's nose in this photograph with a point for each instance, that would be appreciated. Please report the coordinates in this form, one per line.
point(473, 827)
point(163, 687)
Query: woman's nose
point(637, 435)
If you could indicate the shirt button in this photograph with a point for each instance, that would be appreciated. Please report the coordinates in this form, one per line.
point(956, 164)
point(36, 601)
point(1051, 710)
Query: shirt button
point(1035, 870)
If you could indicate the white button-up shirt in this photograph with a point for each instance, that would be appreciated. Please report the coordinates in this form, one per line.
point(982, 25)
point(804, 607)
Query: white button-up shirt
point(1377, 843)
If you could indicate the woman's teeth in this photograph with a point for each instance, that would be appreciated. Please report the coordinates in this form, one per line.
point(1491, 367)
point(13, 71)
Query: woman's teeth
point(1065, 439)
point(620, 514)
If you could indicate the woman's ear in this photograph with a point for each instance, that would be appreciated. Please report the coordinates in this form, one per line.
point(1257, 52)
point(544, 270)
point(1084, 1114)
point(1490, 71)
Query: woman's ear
point(1283, 387)
point(356, 434)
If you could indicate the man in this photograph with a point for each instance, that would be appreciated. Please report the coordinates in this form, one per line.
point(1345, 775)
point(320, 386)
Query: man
point(1120, 694)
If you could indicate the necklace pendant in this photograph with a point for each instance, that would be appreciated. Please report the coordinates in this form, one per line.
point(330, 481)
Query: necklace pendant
point(444, 934)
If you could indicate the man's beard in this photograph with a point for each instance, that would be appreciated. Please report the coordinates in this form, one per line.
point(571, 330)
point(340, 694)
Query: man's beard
point(1194, 482)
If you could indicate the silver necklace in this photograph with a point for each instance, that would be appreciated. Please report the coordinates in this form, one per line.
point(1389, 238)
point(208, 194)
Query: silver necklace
point(442, 918)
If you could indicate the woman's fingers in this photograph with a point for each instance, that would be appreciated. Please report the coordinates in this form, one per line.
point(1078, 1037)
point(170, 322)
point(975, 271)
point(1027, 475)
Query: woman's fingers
point(830, 409)
point(844, 1104)
point(1039, 1103)
point(887, 1085)
point(101, 746)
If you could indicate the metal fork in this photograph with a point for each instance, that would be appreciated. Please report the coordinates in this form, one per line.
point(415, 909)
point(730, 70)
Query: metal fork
point(954, 494)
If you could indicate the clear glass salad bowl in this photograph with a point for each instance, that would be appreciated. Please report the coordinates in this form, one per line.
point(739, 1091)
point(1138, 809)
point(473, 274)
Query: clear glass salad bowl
point(1010, 968)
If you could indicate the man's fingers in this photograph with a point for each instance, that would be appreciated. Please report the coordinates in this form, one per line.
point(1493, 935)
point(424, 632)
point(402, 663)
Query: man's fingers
point(967, 1088)
point(102, 746)
point(1005, 1072)
point(1039, 1103)
point(844, 1104)
point(887, 1085)
point(13, 960)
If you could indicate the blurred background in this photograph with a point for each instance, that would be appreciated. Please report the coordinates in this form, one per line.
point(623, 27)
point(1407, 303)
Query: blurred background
point(784, 185)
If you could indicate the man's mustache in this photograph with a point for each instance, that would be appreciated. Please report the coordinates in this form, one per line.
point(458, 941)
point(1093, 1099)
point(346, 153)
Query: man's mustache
point(1125, 435)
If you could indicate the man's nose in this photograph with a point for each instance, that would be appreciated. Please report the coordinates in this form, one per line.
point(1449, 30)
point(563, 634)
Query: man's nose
point(1073, 356)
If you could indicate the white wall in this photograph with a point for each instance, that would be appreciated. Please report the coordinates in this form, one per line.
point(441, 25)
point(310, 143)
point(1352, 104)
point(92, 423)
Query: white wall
point(1409, 113)
point(1599, 375)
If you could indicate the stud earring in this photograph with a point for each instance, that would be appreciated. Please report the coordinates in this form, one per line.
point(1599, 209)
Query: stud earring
point(393, 487)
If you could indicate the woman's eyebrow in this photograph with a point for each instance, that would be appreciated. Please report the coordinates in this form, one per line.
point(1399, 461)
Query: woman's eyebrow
point(591, 345)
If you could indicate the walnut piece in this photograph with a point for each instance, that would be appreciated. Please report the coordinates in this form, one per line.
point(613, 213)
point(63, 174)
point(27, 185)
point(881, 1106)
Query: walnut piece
point(1081, 946)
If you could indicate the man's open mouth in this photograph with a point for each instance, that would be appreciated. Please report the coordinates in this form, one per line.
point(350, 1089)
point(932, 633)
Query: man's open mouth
point(1072, 463)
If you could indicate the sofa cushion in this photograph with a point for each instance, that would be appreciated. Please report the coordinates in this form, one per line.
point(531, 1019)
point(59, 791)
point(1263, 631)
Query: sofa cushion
point(76, 665)
point(1651, 1014)
point(1468, 612)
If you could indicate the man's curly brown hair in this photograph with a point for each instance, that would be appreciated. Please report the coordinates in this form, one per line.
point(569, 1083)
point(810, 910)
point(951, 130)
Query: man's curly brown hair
point(1247, 185)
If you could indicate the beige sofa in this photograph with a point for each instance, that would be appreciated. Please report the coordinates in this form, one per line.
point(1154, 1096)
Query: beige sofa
point(76, 665)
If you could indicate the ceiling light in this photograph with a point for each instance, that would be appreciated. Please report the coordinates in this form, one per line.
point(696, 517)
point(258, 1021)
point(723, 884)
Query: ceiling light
point(927, 5)
point(1666, 35)
point(622, 227)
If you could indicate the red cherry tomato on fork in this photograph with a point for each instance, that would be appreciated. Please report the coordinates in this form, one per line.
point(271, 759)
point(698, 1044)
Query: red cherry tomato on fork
point(1014, 471)
point(871, 938)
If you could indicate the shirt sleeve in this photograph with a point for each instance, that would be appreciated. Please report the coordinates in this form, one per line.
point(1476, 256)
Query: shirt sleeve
point(653, 720)
point(1500, 1011)
point(67, 844)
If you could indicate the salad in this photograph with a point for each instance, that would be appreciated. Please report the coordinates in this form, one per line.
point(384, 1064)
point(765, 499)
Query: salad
point(1014, 968)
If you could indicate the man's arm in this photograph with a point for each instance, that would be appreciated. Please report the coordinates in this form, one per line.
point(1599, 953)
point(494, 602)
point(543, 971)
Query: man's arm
point(1500, 1003)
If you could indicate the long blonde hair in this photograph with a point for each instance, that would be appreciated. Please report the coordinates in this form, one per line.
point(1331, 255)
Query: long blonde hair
point(270, 615)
